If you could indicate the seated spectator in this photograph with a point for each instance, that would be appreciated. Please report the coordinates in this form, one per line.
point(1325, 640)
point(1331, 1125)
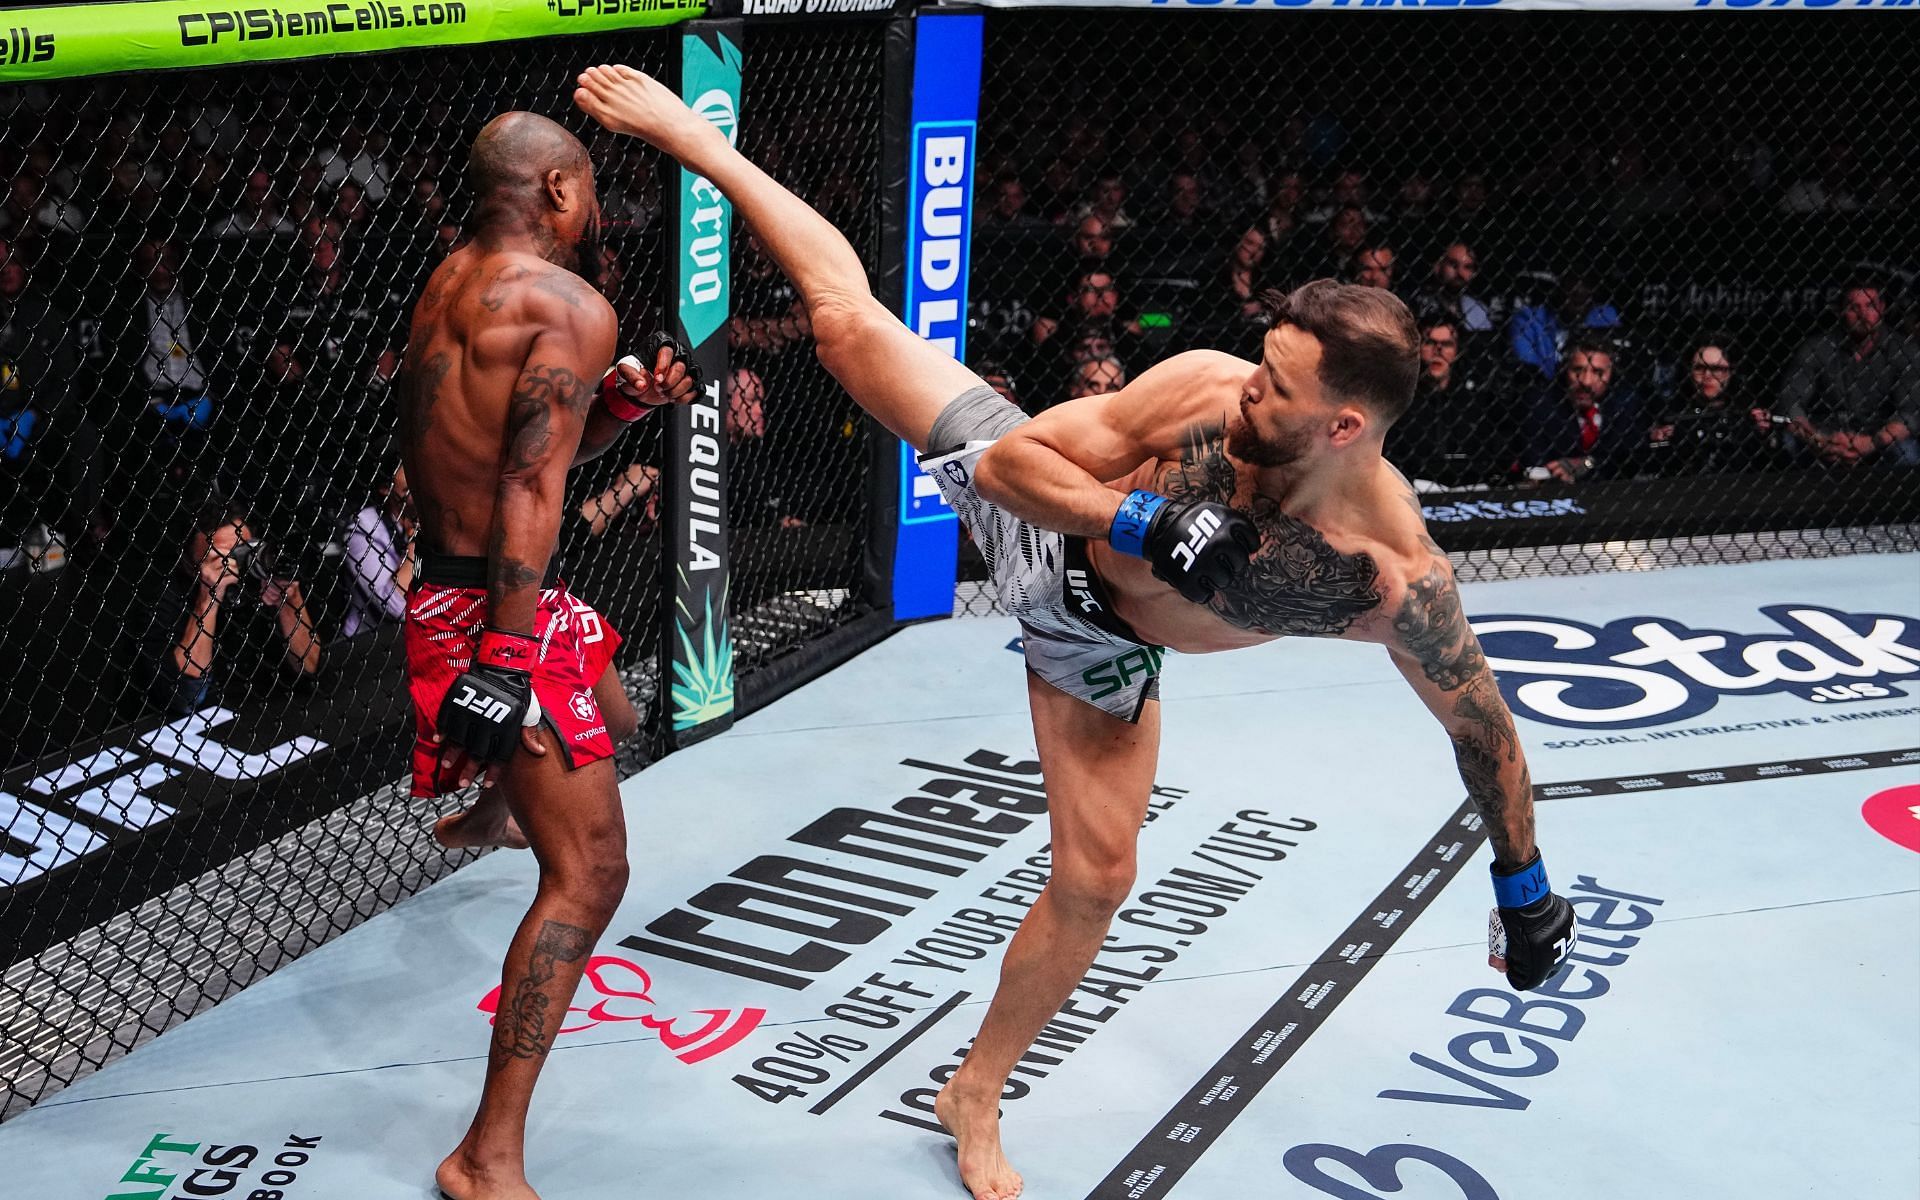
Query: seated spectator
point(1584, 424)
point(1349, 190)
point(1097, 377)
point(51, 475)
point(1093, 298)
point(1854, 394)
point(167, 340)
point(1373, 266)
point(1447, 287)
point(352, 211)
point(1242, 278)
point(1345, 235)
point(259, 213)
point(379, 558)
point(30, 210)
point(1539, 331)
point(1007, 204)
point(1054, 197)
point(1703, 428)
point(228, 582)
point(1184, 236)
point(1092, 241)
point(130, 200)
point(1453, 435)
point(1416, 216)
point(1107, 200)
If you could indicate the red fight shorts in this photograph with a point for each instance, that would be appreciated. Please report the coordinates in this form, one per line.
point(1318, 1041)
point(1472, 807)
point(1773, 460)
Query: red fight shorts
point(576, 647)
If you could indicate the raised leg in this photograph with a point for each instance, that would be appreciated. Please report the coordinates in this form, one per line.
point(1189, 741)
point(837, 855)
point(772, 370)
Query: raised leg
point(1099, 773)
point(897, 376)
point(574, 822)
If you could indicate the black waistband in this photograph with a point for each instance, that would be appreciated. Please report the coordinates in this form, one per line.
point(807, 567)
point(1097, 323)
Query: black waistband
point(1085, 594)
point(470, 571)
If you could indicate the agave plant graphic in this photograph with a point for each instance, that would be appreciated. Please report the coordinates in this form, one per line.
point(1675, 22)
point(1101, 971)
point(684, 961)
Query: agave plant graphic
point(703, 675)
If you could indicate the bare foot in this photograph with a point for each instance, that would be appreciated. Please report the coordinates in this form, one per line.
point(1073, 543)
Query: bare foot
point(462, 1179)
point(473, 829)
point(627, 101)
point(975, 1125)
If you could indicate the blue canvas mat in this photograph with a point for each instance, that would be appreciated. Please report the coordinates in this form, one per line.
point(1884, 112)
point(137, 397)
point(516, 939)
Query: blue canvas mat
point(1294, 1003)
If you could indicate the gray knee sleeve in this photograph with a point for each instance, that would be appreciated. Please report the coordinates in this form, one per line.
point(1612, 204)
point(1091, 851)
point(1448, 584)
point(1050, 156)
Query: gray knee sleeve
point(978, 414)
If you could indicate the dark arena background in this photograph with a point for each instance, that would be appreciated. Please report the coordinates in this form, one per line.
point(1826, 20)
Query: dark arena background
point(1663, 257)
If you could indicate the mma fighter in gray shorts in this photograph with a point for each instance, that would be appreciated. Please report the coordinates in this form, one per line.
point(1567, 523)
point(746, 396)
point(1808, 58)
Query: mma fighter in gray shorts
point(1211, 504)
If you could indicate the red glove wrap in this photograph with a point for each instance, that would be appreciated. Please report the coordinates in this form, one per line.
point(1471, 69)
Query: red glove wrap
point(514, 651)
point(617, 403)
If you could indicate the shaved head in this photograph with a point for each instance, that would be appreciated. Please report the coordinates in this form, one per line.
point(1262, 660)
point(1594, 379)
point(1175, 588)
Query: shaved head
point(514, 152)
point(531, 178)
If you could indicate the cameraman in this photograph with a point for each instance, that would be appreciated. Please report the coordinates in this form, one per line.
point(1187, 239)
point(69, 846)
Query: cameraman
point(227, 567)
point(1706, 428)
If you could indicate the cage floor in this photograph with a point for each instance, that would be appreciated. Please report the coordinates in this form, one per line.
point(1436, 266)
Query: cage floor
point(1292, 1004)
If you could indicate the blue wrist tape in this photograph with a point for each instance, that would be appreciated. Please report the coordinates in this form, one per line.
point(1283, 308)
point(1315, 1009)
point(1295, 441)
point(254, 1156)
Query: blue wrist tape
point(1129, 532)
point(1523, 888)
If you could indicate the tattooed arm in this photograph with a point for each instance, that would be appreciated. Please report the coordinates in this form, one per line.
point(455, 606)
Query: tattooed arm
point(545, 417)
point(1437, 651)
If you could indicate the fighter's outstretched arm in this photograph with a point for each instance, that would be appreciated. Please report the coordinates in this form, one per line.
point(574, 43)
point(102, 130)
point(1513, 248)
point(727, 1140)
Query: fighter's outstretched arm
point(1435, 648)
point(1531, 932)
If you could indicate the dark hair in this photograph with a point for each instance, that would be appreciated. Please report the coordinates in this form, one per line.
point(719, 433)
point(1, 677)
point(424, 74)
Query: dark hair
point(1434, 318)
point(1369, 346)
point(1705, 338)
point(1589, 342)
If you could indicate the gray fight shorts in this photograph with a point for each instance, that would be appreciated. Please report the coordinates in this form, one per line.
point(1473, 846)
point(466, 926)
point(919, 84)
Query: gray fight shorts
point(1073, 638)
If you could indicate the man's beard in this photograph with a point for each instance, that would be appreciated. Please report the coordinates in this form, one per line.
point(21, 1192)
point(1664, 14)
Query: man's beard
point(1289, 447)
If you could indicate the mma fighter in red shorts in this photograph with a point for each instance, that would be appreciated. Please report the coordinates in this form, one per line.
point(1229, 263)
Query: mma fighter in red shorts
point(505, 385)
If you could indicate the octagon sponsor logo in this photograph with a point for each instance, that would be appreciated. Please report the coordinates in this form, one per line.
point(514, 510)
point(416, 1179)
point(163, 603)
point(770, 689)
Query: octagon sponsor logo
point(1641, 671)
point(623, 992)
point(1895, 815)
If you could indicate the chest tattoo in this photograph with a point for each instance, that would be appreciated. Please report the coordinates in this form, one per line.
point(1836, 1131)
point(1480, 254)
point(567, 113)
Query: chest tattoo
point(1298, 584)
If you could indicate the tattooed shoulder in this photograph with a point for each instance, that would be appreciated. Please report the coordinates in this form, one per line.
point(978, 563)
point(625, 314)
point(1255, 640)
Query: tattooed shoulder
point(1432, 627)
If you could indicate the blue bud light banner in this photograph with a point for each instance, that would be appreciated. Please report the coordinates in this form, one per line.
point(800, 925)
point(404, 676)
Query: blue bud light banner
point(946, 110)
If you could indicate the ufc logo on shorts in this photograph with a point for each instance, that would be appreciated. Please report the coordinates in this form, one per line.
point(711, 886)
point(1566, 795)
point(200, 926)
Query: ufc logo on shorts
point(1082, 589)
point(469, 698)
point(1203, 527)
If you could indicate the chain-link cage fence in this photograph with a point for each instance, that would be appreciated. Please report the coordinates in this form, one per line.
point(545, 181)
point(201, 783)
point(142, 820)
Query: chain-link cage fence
point(205, 284)
point(1663, 263)
point(811, 116)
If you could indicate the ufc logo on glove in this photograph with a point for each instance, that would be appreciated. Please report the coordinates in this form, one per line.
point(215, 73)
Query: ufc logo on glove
point(1205, 524)
point(486, 708)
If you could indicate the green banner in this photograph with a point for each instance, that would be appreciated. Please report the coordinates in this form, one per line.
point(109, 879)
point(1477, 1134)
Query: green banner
point(102, 39)
point(698, 644)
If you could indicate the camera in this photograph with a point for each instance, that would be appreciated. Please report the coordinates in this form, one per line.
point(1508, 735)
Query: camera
point(254, 561)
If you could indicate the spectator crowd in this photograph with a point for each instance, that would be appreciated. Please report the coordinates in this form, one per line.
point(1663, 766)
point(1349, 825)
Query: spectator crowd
point(1563, 336)
point(202, 310)
point(203, 305)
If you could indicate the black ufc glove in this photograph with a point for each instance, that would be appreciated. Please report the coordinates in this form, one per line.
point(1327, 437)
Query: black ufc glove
point(1532, 928)
point(629, 405)
point(485, 709)
point(1198, 546)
